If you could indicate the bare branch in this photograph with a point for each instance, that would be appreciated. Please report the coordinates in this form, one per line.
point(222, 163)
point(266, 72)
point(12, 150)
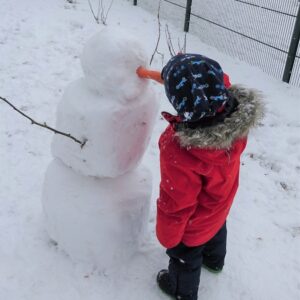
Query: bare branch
point(162, 57)
point(159, 36)
point(92, 10)
point(184, 44)
point(169, 41)
point(107, 12)
point(179, 45)
point(182, 49)
point(44, 125)
point(100, 8)
point(101, 11)
point(101, 14)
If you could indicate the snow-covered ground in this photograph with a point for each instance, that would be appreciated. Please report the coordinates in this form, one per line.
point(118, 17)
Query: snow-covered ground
point(40, 42)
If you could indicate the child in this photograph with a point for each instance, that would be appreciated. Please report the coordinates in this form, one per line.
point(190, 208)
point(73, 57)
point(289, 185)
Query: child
point(200, 160)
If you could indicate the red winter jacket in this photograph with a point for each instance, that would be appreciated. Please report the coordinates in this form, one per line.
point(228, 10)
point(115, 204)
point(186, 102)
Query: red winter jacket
point(200, 174)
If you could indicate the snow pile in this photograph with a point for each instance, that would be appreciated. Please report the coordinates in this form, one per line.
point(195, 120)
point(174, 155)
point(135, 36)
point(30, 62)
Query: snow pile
point(101, 219)
point(117, 134)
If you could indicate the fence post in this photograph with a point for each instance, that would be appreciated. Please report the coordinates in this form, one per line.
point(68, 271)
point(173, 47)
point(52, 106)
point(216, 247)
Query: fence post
point(188, 11)
point(135, 2)
point(292, 51)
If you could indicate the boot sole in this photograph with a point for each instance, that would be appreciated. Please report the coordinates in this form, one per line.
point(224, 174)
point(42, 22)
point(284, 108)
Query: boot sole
point(211, 270)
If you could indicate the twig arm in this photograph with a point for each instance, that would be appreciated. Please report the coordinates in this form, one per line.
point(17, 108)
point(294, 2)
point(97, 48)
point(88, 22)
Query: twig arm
point(44, 125)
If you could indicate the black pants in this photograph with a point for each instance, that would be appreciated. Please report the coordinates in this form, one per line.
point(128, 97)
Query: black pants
point(185, 263)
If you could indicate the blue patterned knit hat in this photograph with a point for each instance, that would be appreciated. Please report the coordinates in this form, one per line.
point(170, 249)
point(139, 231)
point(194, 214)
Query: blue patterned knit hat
point(194, 85)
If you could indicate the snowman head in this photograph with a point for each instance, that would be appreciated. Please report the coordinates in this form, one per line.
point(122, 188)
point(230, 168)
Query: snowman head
point(109, 61)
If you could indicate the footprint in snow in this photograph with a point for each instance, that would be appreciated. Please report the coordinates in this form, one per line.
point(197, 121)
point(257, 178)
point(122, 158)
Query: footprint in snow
point(76, 25)
point(264, 162)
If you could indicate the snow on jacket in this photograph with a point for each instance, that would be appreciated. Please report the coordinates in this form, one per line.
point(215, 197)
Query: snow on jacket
point(200, 173)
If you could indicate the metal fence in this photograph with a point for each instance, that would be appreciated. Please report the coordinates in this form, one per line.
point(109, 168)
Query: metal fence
point(264, 33)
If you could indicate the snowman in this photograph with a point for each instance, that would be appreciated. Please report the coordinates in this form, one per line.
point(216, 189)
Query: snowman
point(96, 198)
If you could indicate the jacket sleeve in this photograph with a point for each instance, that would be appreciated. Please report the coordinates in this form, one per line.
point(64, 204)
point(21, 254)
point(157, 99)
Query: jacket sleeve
point(179, 189)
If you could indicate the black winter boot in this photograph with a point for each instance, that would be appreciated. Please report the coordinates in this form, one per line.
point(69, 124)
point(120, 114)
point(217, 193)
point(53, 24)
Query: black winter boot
point(212, 268)
point(165, 283)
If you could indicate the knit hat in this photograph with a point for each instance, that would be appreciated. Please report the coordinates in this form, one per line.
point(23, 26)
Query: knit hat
point(194, 85)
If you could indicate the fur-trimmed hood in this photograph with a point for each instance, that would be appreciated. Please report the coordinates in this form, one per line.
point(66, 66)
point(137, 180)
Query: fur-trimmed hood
point(249, 113)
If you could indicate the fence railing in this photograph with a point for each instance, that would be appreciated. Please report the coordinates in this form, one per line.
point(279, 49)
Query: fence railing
point(263, 33)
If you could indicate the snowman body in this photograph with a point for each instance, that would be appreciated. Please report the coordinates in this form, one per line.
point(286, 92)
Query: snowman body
point(117, 135)
point(96, 199)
